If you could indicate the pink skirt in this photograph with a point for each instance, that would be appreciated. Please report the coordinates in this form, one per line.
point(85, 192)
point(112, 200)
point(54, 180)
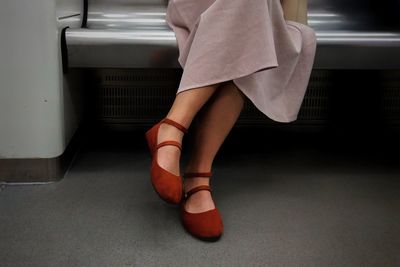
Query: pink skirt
point(268, 58)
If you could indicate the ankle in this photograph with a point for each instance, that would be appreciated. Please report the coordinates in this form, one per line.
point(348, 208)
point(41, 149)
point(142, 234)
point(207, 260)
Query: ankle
point(170, 131)
point(198, 166)
point(182, 120)
point(190, 183)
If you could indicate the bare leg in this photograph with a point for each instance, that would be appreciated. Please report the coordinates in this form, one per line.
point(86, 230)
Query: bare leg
point(185, 107)
point(215, 121)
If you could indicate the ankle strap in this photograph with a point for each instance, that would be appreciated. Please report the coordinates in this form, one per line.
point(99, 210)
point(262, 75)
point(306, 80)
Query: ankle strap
point(169, 143)
point(174, 123)
point(197, 174)
point(196, 189)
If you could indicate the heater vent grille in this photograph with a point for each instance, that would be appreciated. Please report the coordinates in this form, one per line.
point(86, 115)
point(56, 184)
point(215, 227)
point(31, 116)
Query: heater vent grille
point(141, 96)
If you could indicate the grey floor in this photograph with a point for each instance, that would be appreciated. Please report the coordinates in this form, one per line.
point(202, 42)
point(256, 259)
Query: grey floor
point(287, 199)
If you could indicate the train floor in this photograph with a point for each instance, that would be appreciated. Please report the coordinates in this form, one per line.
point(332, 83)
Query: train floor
point(286, 199)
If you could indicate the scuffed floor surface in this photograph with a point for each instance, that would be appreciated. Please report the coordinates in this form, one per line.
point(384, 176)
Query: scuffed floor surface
point(291, 200)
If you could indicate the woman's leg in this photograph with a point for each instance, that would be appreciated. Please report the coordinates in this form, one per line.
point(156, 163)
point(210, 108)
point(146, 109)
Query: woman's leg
point(214, 123)
point(185, 107)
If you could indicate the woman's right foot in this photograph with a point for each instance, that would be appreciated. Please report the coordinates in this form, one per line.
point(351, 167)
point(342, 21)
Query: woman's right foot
point(165, 144)
point(168, 156)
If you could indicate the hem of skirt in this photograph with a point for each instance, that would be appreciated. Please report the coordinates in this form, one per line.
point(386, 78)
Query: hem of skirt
point(267, 112)
point(264, 110)
point(221, 80)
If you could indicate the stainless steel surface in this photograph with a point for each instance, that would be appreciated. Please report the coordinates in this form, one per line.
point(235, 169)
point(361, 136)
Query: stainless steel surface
point(357, 34)
point(134, 34)
point(127, 14)
point(69, 13)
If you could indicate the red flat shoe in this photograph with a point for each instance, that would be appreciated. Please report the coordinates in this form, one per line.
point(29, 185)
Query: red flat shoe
point(205, 225)
point(167, 185)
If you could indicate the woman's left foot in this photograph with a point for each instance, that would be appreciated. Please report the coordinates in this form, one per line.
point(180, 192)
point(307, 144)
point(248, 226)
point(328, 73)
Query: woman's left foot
point(201, 201)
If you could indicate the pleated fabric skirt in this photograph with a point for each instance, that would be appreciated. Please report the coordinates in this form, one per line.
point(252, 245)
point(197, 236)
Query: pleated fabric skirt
point(269, 59)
